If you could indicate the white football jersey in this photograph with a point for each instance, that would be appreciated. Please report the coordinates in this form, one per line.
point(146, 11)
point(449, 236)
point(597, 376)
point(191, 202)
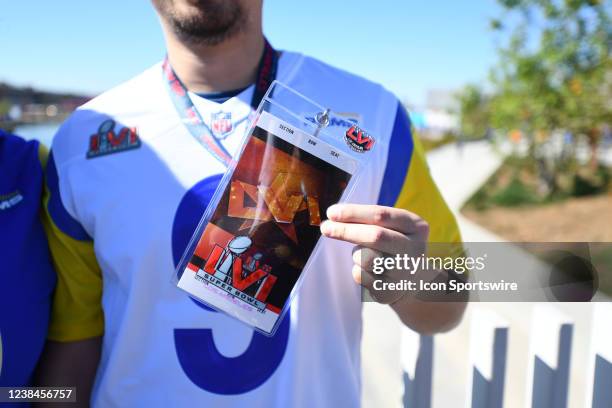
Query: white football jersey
point(138, 196)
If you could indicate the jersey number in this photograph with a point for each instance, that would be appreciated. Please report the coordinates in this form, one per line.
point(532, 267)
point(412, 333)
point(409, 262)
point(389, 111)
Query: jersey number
point(213, 372)
point(195, 348)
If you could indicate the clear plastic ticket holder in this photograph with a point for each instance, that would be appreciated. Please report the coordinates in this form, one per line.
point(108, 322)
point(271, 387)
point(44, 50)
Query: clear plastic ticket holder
point(260, 232)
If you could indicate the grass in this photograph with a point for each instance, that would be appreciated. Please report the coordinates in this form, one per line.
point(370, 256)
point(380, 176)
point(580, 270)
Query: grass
point(517, 183)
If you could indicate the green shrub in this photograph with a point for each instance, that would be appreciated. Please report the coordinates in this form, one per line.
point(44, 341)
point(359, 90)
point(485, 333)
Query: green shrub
point(515, 194)
point(480, 200)
point(590, 185)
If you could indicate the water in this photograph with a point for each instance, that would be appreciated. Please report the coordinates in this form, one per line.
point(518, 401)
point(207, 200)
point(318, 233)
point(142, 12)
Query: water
point(43, 132)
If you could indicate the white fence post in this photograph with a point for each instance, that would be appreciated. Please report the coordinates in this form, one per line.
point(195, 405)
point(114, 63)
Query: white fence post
point(488, 353)
point(417, 364)
point(549, 358)
point(599, 380)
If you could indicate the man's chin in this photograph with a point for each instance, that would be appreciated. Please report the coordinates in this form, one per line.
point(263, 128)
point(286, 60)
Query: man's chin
point(205, 21)
point(200, 34)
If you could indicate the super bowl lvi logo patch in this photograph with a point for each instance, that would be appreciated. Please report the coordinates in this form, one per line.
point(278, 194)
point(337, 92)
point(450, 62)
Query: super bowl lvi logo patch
point(108, 141)
point(358, 140)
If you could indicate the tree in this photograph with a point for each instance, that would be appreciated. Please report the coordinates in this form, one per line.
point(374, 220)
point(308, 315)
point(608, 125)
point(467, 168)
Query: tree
point(474, 112)
point(554, 72)
point(5, 107)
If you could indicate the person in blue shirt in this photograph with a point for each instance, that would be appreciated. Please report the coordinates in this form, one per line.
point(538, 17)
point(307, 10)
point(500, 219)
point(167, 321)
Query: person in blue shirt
point(27, 277)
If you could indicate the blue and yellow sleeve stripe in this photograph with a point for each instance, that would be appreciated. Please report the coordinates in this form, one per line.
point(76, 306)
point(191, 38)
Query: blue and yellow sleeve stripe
point(407, 184)
point(77, 310)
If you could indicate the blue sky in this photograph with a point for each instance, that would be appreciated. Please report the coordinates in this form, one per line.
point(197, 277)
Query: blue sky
point(409, 46)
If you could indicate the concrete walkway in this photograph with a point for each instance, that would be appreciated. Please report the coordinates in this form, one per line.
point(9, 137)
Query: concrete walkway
point(459, 173)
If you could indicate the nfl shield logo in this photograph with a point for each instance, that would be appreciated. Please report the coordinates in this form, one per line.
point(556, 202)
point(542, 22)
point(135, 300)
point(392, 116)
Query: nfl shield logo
point(221, 124)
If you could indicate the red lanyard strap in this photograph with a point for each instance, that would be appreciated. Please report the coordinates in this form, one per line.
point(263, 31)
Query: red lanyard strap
point(191, 118)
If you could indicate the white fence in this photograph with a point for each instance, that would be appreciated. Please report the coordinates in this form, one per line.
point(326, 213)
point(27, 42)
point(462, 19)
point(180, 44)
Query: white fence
point(549, 361)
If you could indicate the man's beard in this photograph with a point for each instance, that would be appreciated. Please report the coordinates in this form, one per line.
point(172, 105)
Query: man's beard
point(210, 22)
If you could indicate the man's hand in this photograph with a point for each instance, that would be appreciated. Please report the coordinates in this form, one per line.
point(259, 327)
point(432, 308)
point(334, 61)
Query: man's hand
point(379, 231)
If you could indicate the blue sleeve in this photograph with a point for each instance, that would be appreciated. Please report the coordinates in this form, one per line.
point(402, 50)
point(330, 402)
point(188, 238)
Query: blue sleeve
point(401, 146)
point(27, 279)
point(59, 215)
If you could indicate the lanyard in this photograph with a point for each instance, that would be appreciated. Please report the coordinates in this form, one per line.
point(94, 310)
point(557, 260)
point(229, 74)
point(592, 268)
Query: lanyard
point(191, 118)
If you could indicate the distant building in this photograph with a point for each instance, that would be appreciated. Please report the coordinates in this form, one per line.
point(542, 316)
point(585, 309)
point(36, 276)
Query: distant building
point(438, 116)
point(15, 113)
point(29, 105)
point(442, 100)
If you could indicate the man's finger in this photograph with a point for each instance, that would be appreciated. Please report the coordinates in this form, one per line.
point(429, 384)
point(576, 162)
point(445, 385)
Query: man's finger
point(387, 217)
point(371, 236)
point(363, 278)
point(366, 280)
point(364, 257)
